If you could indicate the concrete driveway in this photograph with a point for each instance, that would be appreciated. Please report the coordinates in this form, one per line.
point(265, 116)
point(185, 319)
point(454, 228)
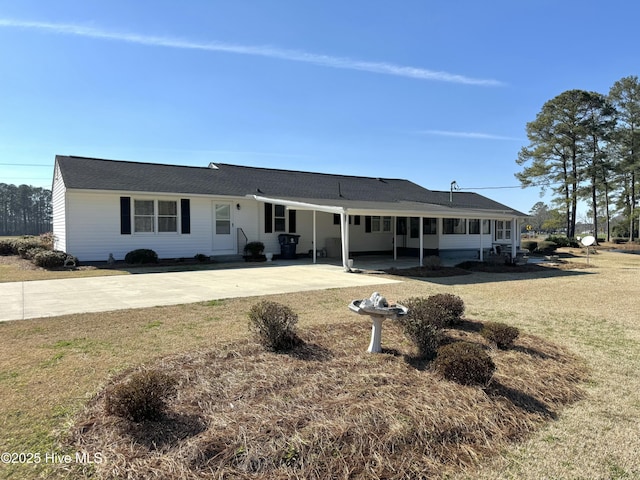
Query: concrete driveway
point(48, 298)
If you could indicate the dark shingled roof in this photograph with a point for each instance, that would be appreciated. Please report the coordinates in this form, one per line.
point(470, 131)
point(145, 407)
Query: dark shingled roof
point(234, 180)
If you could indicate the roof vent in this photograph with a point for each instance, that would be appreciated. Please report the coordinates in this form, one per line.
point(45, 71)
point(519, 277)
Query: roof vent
point(213, 166)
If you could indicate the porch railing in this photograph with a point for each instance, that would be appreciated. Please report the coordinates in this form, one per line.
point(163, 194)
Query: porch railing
point(241, 239)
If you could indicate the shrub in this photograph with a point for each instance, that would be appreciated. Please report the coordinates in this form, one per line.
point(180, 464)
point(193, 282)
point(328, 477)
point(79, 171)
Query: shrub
point(141, 255)
point(50, 259)
point(452, 304)
point(30, 253)
point(465, 363)
point(274, 324)
point(500, 334)
point(562, 241)
point(254, 249)
point(423, 325)
point(7, 247)
point(201, 257)
point(547, 247)
point(47, 240)
point(27, 247)
point(54, 259)
point(142, 397)
point(530, 245)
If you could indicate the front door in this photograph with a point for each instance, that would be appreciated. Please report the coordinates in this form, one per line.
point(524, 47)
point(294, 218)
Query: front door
point(224, 239)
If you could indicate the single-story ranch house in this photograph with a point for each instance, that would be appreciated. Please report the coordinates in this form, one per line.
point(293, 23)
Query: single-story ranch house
point(103, 207)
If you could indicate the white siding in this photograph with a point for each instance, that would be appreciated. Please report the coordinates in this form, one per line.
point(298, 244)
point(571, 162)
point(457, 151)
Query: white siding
point(326, 232)
point(93, 226)
point(87, 225)
point(58, 205)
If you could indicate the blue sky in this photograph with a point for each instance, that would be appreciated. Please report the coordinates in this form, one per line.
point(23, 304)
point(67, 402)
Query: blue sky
point(425, 90)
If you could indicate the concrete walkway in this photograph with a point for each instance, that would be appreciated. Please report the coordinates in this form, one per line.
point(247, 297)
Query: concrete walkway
point(48, 298)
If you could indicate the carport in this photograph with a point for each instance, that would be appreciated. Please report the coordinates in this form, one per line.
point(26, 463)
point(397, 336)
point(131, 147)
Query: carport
point(395, 210)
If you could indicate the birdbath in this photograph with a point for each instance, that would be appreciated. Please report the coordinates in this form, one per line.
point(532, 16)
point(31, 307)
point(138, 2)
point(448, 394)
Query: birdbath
point(378, 309)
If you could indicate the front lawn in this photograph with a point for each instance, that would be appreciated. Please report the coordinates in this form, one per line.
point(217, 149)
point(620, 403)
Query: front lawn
point(53, 370)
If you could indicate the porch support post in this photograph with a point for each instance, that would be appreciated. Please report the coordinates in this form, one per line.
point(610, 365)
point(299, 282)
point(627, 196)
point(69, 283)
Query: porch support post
point(395, 238)
point(344, 234)
point(481, 240)
point(315, 240)
point(515, 233)
point(421, 233)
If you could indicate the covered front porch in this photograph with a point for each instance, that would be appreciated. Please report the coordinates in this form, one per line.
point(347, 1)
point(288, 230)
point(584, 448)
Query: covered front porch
point(406, 232)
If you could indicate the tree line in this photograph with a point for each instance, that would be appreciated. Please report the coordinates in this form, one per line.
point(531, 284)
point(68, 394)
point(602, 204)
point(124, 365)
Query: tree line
point(586, 146)
point(24, 210)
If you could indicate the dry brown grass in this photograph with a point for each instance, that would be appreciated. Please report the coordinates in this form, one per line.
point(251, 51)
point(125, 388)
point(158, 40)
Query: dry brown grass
point(16, 269)
point(50, 368)
point(330, 410)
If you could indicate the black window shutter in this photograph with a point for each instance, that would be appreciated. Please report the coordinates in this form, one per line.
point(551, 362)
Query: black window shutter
point(336, 219)
point(356, 220)
point(125, 215)
point(292, 221)
point(367, 223)
point(185, 208)
point(268, 218)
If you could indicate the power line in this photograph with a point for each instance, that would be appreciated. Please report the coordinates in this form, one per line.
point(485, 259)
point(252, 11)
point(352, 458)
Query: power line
point(546, 184)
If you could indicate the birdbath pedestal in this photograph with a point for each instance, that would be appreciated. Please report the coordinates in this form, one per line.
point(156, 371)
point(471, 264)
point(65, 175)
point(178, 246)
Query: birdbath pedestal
point(378, 309)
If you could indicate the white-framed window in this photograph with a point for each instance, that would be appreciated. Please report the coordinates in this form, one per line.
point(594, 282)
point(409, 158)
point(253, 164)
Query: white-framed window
point(223, 219)
point(144, 216)
point(474, 226)
point(503, 229)
point(380, 224)
point(279, 218)
point(430, 226)
point(167, 216)
point(150, 216)
point(454, 226)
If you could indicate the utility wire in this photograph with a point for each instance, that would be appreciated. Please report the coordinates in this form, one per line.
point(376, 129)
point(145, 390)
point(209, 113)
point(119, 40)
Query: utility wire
point(511, 186)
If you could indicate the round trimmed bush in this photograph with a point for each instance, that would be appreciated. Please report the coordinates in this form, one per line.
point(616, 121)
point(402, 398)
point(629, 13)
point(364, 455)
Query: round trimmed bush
point(500, 334)
point(142, 397)
point(50, 259)
point(28, 247)
point(141, 256)
point(274, 324)
point(451, 304)
point(423, 324)
point(530, 245)
point(465, 363)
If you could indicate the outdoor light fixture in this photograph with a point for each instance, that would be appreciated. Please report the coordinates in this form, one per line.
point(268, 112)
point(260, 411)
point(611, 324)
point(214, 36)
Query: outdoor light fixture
point(237, 206)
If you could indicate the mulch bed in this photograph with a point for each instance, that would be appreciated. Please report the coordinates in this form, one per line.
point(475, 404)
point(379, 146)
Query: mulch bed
point(328, 409)
point(467, 268)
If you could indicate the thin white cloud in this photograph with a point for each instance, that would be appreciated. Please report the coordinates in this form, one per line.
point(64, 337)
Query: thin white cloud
point(472, 135)
point(263, 51)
